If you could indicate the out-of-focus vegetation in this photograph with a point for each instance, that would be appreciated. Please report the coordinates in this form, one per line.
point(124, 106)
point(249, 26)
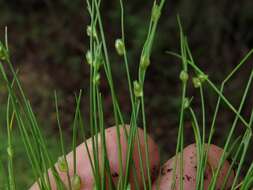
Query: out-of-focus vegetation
point(48, 43)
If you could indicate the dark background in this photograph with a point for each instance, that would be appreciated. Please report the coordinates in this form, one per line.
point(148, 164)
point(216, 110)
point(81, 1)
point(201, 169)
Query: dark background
point(48, 43)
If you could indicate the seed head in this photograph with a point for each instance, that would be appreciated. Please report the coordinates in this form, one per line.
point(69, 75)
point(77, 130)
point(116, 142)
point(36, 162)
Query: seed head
point(183, 76)
point(76, 182)
point(138, 89)
point(196, 82)
point(10, 152)
point(202, 77)
point(199, 80)
point(156, 12)
point(62, 164)
point(96, 79)
point(120, 47)
point(98, 62)
point(145, 61)
point(88, 57)
point(187, 102)
point(91, 32)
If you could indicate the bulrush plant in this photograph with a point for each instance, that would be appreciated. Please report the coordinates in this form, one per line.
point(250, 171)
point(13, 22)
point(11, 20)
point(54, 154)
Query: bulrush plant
point(124, 156)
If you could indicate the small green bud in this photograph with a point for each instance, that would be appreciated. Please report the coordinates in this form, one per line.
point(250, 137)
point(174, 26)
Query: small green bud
point(88, 57)
point(145, 61)
point(138, 89)
point(76, 182)
point(156, 12)
point(184, 76)
point(129, 186)
point(90, 32)
point(120, 47)
point(196, 82)
point(10, 152)
point(62, 164)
